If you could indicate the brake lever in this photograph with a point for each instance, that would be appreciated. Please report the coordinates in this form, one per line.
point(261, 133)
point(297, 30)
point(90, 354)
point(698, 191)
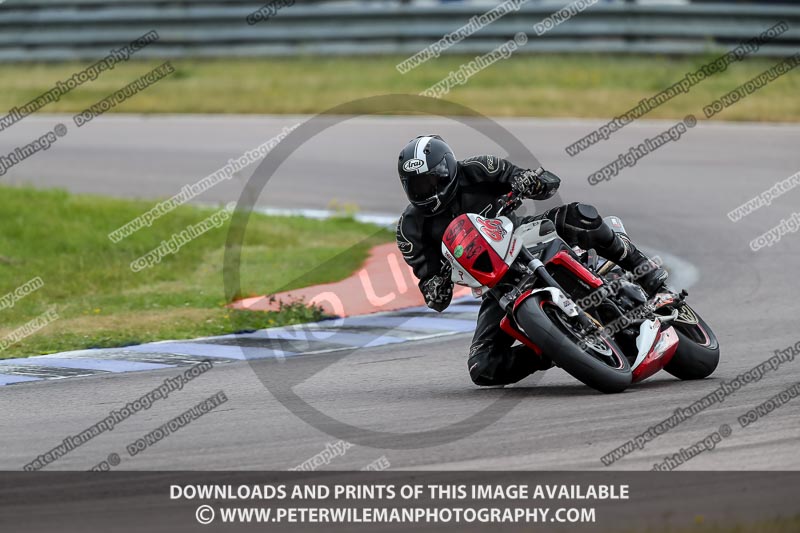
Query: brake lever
point(510, 201)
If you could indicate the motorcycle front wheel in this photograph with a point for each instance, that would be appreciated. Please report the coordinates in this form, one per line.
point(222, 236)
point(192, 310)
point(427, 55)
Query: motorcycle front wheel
point(598, 363)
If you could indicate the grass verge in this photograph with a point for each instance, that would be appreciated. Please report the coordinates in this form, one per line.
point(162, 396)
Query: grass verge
point(523, 85)
point(100, 302)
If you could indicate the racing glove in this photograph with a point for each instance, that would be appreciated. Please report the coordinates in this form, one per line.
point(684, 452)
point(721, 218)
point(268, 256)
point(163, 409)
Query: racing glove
point(438, 289)
point(538, 184)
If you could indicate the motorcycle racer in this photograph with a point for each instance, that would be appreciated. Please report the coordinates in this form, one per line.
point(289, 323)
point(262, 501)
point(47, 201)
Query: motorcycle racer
point(439, 188)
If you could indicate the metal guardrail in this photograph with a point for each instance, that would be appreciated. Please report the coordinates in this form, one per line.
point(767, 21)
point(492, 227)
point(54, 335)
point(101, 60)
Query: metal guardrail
point(57, 30)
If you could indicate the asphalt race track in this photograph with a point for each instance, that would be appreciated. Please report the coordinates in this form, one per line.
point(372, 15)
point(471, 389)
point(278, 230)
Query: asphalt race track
point(674, 200)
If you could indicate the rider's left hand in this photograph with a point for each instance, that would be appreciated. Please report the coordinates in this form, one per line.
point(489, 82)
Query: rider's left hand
point(438, 289)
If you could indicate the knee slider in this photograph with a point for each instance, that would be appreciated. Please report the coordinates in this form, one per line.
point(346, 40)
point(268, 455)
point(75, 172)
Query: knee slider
point(585, 216)
point(593, 231)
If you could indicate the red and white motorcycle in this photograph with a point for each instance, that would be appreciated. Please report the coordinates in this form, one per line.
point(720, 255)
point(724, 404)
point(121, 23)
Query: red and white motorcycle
point(586, 314)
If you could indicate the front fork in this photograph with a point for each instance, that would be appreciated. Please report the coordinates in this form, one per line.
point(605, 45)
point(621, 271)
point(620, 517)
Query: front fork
point(511, 300)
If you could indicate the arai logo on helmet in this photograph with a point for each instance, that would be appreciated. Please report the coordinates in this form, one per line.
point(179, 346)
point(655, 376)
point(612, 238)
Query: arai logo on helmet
point(413, 164)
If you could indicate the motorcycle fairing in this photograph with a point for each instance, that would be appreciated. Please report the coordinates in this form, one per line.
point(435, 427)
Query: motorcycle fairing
point(656, 348)
point(470, 236)
point(479, 249)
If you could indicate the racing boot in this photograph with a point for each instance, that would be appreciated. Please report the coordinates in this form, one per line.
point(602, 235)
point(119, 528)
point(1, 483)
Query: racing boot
point(646, 272)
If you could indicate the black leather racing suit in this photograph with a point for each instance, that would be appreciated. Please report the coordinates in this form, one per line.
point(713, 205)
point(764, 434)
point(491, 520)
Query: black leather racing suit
point(481, 181)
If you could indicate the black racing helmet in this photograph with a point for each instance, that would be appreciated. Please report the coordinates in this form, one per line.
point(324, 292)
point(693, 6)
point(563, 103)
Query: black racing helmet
point(427, 169)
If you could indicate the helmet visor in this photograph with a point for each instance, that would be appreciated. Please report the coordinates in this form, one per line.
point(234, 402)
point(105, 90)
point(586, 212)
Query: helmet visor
point(425, 186)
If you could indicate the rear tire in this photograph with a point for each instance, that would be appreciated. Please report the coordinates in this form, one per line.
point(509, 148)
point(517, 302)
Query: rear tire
point(560, 344)
point(697, 355)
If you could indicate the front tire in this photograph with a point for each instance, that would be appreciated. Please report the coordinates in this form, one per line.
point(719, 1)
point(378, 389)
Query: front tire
point(539, 318)
point(697, 355)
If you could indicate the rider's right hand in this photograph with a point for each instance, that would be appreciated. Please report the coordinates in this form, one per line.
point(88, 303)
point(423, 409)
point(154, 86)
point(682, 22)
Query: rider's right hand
point(538, 184)
point(547, 187)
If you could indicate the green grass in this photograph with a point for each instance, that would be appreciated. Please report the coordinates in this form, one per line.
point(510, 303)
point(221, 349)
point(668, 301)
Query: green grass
point(524, 85)
point(62, 238)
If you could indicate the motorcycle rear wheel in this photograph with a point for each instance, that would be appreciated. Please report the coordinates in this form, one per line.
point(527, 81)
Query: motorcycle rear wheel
point(697, 355)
